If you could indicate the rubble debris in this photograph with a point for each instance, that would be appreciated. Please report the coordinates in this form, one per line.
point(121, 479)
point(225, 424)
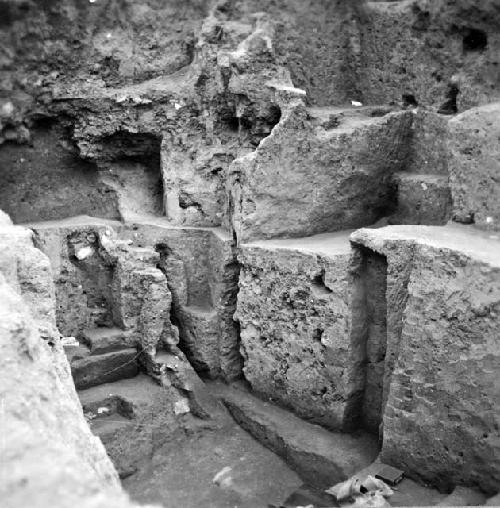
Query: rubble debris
point(370, 488)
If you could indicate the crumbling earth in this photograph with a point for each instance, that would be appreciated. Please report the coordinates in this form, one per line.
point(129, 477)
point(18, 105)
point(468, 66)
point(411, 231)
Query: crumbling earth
point(250, 250)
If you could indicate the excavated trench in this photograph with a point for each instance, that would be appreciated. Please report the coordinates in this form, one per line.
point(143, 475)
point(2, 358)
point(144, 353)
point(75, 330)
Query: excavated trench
point(153, 309)
point(175, 434)
point(258, 287)
point(163, 350)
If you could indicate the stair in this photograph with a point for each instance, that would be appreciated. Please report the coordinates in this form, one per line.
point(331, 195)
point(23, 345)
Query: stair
point(104, 368)
point(104, 355)
point(105, 340)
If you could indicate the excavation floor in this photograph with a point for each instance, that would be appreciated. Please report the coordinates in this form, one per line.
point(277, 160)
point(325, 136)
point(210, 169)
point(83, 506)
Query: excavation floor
point(181, 474)
point(225, 466)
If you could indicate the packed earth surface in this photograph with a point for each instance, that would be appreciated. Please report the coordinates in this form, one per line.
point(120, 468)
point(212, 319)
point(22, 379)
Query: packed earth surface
point(249, 251)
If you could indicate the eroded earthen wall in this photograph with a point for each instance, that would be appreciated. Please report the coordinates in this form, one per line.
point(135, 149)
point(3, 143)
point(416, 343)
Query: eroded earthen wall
point(51, 453)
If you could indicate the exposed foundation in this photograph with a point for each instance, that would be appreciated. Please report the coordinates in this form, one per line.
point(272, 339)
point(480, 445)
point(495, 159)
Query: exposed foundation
point(252, 251)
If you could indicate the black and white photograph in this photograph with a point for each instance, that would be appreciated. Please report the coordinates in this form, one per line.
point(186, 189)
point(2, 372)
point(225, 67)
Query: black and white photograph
point(249, 253)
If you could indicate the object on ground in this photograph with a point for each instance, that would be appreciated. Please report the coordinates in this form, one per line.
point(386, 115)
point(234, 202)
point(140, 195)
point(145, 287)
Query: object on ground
point(389, 474)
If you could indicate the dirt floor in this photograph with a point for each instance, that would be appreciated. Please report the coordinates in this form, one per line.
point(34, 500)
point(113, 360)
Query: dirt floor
point(225, 467)
point(219, 469)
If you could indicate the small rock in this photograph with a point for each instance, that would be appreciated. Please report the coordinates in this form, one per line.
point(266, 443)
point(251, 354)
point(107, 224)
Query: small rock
point(6, 109)
point(69, 342)
point(181, 407)
point(222, 477)
point(84, 253)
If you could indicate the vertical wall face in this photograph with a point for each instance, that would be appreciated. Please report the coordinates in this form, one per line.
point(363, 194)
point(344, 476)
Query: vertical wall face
point(474, 154)
point(428, 152)
point(202, 276)
point(319, 41)
point(47, 180)
point(50, 454)
point(416, 47)
point(83, 287)
point(294, 313)
point(441, 416)
point(375, 285)
point(309, 177)
point(442, 420)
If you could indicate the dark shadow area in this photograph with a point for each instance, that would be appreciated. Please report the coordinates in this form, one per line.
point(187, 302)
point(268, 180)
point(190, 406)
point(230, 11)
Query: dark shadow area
point(132, 166)
point(374, 273)
point(369, 340)
point(318, 286)
point(251, 126)
point(474, 40)
point(47, 180)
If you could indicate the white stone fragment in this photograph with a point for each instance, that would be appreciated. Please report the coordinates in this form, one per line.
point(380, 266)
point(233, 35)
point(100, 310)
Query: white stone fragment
point(222, 476)
point(181, 407)
point(69, 341)
point(7, 109)
point(84, 253)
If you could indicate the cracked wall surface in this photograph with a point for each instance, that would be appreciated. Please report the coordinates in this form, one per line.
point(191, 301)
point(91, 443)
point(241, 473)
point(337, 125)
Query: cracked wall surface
point(193, 171)
point(444, 355)
point(38, 395)
point(294, 310)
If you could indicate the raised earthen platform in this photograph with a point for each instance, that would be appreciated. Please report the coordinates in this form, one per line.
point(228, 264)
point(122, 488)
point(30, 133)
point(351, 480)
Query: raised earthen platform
point(248, 250)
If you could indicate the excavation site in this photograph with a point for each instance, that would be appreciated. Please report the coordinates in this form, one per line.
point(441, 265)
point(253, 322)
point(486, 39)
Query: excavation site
point(249, 253)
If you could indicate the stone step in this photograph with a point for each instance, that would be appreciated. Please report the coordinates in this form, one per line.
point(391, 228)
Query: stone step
point(422, 199)
point(105, 368)
point(200, 333)
point(321, 458)
point(105, 340)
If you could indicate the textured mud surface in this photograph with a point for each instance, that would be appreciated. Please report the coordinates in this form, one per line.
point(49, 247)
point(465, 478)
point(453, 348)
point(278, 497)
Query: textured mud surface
point(191, 175)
